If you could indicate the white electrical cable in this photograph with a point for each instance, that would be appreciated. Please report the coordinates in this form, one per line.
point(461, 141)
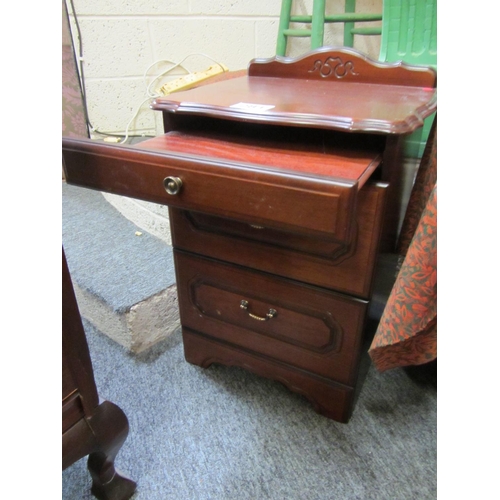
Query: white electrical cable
point(148, 89)
point(124, 140)
point(163, 73)
point(81, 61)
point(157, 77)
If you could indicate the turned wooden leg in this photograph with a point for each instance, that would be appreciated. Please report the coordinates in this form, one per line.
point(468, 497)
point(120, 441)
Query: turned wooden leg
point(110, 427)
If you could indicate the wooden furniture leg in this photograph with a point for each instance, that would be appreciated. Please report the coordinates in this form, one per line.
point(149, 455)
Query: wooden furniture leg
point(89, 427)
point(110, 427)
point(100, 437)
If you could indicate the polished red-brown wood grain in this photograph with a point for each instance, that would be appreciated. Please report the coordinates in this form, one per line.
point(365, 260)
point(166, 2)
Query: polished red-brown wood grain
point(314, 329)
point(352, 107)
point(311, 154)
point(368, 97)
point(320, 261)
point(77, 370)
point(343, 64)
point(289, 172)
point(296, 200)
point(327, 397)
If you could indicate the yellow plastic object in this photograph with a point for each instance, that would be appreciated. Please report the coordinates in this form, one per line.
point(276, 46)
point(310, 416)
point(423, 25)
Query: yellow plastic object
point(188, 81)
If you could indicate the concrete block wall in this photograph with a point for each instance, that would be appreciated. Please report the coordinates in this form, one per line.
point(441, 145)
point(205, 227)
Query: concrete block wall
point(127, 43)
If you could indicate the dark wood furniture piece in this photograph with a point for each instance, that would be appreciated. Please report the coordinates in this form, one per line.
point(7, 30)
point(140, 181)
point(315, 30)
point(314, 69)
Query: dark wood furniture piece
point(281, 183)
point(89, 427)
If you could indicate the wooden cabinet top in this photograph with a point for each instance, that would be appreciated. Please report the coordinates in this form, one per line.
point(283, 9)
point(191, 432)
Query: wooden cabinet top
point(338, 89)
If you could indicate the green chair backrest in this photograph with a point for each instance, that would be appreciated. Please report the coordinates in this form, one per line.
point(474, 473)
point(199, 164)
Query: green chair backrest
point(409, 34)
point(317, 22)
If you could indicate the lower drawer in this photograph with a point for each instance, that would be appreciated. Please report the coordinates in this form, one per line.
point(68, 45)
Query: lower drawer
point(304, 326)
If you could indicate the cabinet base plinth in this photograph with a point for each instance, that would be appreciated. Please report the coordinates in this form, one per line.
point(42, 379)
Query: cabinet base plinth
point(328, 398)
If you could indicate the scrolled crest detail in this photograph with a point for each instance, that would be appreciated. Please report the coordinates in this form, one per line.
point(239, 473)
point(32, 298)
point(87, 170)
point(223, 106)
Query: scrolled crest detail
point(333, 66)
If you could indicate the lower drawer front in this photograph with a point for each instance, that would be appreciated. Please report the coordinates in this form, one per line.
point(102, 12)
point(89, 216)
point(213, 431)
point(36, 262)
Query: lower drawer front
point(304, 326)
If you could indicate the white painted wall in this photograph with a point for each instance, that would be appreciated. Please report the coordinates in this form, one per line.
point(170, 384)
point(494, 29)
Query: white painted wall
point(121, 39)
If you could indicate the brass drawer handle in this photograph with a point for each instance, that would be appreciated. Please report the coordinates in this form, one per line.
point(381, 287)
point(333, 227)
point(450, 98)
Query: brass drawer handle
point(172, 185)
point(270, 315)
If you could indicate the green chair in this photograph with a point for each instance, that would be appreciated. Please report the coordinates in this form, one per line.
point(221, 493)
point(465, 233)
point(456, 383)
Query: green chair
point(409, 34)
point(318, 19)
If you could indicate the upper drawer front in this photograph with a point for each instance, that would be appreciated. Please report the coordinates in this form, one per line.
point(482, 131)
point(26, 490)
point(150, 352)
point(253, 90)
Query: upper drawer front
point(319, 261)
point(304, 326)
point(262, 195)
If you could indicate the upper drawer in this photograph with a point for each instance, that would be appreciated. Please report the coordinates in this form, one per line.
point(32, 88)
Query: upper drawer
point(298, 189)
point(346, 268)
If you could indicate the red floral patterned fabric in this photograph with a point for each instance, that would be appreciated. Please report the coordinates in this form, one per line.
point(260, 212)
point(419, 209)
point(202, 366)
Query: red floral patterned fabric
point(407, 332)
point(424, 183)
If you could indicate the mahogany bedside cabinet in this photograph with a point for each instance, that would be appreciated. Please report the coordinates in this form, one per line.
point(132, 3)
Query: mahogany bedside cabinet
point(282, 183)
point(89, 427)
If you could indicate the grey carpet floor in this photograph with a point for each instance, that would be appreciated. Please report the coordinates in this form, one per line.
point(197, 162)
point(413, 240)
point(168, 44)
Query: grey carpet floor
point(225, 434)
point(104, 255)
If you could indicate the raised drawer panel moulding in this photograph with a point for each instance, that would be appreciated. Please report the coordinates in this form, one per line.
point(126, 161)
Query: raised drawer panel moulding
point(321, 333)
point(347, 268)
